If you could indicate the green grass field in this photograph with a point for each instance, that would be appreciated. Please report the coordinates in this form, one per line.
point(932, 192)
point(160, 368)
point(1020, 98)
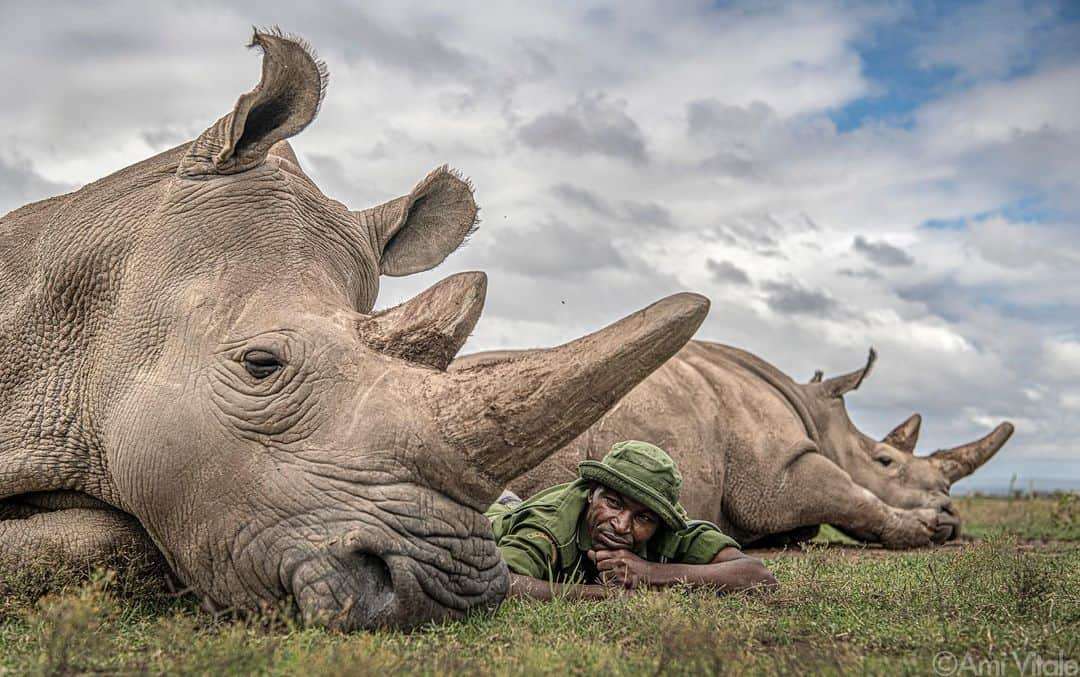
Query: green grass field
point(1010, 596)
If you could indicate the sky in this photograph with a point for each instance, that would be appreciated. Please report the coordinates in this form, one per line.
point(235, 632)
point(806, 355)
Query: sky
point(832, 175)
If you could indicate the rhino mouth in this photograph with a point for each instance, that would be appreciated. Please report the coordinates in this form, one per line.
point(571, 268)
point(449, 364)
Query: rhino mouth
point(357, 585)
point(948, 525)
point(344, 594)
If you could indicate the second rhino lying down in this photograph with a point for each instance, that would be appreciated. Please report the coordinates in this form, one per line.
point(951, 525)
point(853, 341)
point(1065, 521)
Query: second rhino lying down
point(769, 459)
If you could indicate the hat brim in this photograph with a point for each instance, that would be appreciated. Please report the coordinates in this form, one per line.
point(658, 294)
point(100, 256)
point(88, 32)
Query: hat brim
point(596, 471)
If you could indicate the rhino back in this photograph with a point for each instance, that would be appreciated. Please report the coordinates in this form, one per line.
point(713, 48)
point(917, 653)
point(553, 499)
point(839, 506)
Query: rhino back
point(29, 232)
point(718, 411)
point(61, 272)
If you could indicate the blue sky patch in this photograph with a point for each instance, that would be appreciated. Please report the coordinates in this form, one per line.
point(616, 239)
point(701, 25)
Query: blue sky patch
point(888, 62)
point(1028, 209)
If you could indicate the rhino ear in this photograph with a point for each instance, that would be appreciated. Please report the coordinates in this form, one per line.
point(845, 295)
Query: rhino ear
point(285, 101)
point(838, 385)
point(816, 378)
point(418, 231)
point(282, 150)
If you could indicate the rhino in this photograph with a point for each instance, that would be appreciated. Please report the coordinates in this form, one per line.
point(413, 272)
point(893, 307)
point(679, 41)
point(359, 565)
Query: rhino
point(769, 459)
point(190, 366)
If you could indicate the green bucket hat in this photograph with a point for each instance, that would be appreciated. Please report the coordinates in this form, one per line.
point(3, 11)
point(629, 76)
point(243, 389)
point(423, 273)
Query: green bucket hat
point(645, 473)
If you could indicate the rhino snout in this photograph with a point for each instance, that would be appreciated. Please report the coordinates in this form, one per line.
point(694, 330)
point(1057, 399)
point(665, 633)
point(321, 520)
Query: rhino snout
point(948, 523)
point(357, 584)
point(345, 592)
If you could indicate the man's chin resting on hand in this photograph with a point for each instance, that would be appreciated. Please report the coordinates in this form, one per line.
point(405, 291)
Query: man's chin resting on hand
point(619, 527)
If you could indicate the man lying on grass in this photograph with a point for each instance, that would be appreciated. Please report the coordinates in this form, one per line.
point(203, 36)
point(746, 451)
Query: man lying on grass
point(619, 527)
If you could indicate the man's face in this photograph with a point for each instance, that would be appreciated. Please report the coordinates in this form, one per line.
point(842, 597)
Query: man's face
point(617, 522)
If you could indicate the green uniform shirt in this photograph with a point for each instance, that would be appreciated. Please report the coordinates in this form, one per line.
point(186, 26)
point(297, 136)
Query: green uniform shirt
point(545, 537)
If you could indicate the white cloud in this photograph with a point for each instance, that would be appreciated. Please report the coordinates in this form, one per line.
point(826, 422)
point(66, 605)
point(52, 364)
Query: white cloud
point(693, 150)
point(1023, 245)
point(1033, 394)
point(1061, 360)
point(1002, 111)
point(1070, 399)
point(1023, 425)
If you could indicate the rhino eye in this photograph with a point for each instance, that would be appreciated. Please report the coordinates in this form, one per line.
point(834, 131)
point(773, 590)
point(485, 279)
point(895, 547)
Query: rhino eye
point(885, 461)
point(260, 363)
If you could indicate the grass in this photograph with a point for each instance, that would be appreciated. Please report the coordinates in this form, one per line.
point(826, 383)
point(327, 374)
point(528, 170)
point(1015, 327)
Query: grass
point(834, 613)
point(1053, 517)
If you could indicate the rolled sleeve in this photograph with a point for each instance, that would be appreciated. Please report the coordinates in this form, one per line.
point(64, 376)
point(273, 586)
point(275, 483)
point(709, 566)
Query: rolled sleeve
point(700, 542)
point(529, 552)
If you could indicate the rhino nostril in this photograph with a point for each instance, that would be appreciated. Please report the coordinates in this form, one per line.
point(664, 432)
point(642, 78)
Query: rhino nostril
point(373, 577)
point(948, 522)
point(346, 589)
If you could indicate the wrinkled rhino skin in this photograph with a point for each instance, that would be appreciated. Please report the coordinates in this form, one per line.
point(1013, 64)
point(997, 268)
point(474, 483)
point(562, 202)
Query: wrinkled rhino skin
point(769, 459)
point(189, 365)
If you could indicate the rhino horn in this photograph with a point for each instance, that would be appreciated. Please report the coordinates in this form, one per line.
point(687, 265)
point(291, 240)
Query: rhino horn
point(285, 101)
point(430, 328)
point(963, 460)
point(838, 385)
point(510, 415)
point(417, 231)
point(906, 435)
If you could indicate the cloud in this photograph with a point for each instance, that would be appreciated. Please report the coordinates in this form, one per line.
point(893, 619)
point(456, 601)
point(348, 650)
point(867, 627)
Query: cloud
point(553, 248)
point(943, 297)
point(758, 231)
point(1023, 245)
point(591, 125)
point(163, 138)
point(616, 152)
point(20, 184)
point(734, 136)
point(583, 197)
point(1070, 400)
point(882, 253)
point(716, 121)
point(789, 298)
point(861, 273)
point(641, 214)
point(1061, 360)
point(648, 214)
point(727, 272)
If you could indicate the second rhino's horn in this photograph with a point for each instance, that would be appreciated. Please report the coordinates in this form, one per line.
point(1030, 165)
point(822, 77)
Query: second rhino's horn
point(430, 328)
point(963, 460)
point(508, 416)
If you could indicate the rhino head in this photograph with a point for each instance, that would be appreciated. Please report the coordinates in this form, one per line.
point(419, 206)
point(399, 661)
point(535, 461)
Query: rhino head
point(216, 372)
point(889, 468)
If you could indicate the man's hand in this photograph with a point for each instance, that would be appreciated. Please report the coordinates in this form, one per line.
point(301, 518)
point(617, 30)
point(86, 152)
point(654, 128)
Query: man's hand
point(729, 571)
point(622, 568)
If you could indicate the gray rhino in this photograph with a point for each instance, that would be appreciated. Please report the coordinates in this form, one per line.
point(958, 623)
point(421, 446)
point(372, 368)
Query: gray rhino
point(189, 364)
point(769, 459)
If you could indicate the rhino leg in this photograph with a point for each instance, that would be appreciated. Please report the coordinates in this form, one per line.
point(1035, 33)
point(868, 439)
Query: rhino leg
point(812, 490)
point(787, 538)
point(72, 537)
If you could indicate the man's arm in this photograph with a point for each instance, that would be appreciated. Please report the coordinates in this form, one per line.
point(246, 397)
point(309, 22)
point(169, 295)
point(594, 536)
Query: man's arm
point(729, 571)
point(534, 588)
point(531, 556)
